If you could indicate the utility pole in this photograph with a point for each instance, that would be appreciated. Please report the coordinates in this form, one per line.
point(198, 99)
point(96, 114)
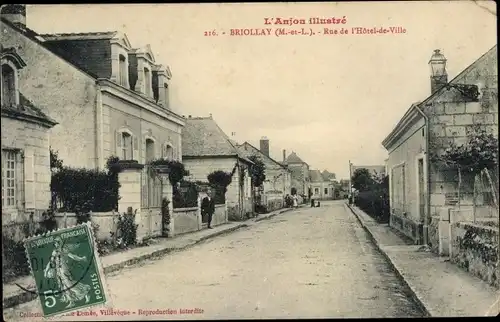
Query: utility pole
point(350, 182)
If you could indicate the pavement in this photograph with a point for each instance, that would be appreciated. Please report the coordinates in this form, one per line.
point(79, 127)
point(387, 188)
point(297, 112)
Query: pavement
point(307, 263)
point(441, 288)
point(14, 295)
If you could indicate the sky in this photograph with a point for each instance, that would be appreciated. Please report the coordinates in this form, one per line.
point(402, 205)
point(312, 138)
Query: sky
point(329, 98)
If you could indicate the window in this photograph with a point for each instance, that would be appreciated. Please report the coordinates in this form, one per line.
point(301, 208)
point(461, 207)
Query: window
point(147, 81)
point(123, 71)
point(168, 152)
point(126, 146)
point(316, 191)
point(150, 150)
point(326, 191)
point(8, 85)
point(9, 193)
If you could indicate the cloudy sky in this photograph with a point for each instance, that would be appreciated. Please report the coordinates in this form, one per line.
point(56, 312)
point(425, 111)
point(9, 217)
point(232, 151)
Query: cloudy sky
point(329, 98)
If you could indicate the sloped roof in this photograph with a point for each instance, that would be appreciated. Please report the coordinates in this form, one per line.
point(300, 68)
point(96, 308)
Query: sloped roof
point(202, 137)
point(27, 111)
point(328, 175)
point(294, 158)
point(247, 153)
point(316, 176)
point(79, 36)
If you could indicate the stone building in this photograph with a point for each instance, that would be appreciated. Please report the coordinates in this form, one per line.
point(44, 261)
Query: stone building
point(206, 148)
point(108, 97)
point(278, 177)
point(25, 147)
point(300, 174)
point(419, 188)
point(322, 188)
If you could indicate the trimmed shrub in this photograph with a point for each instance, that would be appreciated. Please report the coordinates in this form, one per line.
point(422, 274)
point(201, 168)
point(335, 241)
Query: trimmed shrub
point(375, 204)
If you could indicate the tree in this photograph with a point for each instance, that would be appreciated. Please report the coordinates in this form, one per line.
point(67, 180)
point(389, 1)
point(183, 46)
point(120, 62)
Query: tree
point(257, 171)
point(362, 180)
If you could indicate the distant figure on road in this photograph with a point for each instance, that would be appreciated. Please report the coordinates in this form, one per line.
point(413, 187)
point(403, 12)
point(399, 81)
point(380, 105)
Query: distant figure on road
point(312, 203)
point(295, 201)
point(208, 207)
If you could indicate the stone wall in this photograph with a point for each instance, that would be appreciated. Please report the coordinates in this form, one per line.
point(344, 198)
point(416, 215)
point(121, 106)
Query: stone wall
point(220, 215)
point(475, 249)
point(185, 220)
point(107, 222)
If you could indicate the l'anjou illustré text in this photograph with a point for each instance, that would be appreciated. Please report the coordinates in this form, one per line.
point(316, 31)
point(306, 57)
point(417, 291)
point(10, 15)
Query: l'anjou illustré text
point(302, 21)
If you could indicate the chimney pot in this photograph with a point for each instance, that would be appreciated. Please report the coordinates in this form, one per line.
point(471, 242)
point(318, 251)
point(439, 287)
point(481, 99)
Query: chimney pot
point(284, 155)
point(15, 13)
point(264, 146)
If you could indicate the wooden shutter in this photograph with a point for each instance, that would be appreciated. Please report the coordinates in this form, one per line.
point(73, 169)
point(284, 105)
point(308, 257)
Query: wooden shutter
point(162, 150)
point(135, 146)
point(29, 178)
point(118, 144)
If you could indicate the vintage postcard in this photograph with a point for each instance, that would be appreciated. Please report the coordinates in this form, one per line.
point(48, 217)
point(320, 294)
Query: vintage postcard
point(208, 161)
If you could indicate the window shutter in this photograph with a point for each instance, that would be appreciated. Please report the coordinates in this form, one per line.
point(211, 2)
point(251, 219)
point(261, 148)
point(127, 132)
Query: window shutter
point(29, 178)
point(174, 152)
point(118, 144)
point(143, 151)
point(135, 154)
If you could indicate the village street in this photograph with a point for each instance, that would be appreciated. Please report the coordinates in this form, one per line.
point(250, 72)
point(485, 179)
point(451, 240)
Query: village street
point(311, 262)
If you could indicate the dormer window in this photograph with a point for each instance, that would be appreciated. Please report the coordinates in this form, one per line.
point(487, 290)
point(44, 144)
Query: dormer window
point(10, 94)
point(10, 64)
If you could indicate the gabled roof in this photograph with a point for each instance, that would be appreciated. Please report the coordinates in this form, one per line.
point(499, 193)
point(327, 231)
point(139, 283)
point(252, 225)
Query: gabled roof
point(316, 176)
point(293, 158)
point(146, 50)
point(328, 175)
point(80, 36)
point(248, 150)
point(415, 109)
point(27, 111)
point(202, 137)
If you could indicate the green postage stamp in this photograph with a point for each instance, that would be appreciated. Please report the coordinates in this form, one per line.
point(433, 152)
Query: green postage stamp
point(66, 269)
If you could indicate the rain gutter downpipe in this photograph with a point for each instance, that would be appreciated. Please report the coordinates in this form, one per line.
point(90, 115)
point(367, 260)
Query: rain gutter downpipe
point(427, 165)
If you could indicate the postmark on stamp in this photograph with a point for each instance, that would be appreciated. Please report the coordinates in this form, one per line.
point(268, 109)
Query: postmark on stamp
point(66, 270)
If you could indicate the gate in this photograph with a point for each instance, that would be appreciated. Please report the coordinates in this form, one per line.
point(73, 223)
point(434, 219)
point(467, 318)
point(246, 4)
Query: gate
point(151, 201)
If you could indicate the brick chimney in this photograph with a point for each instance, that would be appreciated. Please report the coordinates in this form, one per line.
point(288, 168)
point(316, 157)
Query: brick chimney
point(264, 146)
point(15, 13)
point(284, 155)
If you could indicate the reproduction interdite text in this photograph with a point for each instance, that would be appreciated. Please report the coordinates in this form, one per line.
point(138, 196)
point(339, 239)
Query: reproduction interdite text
point(312, 26)
point(116, 312)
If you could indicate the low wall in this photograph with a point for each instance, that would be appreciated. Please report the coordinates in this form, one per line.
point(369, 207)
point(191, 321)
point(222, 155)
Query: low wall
point(475, 249)
point(150, 223)
point(185, 220)
point(220, 216)
point(408, 227)
point(107, 221)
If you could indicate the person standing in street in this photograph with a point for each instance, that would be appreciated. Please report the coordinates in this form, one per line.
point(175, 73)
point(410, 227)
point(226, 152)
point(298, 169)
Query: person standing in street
point(295, 201)
point(208, 207)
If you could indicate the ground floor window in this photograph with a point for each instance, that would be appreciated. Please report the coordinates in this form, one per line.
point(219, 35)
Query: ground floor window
point(326, 191)
point(10, 168)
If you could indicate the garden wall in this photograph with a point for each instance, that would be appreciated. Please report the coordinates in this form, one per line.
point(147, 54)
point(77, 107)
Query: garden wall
point(475, 249)
point(185, 220)
point(220, 215)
